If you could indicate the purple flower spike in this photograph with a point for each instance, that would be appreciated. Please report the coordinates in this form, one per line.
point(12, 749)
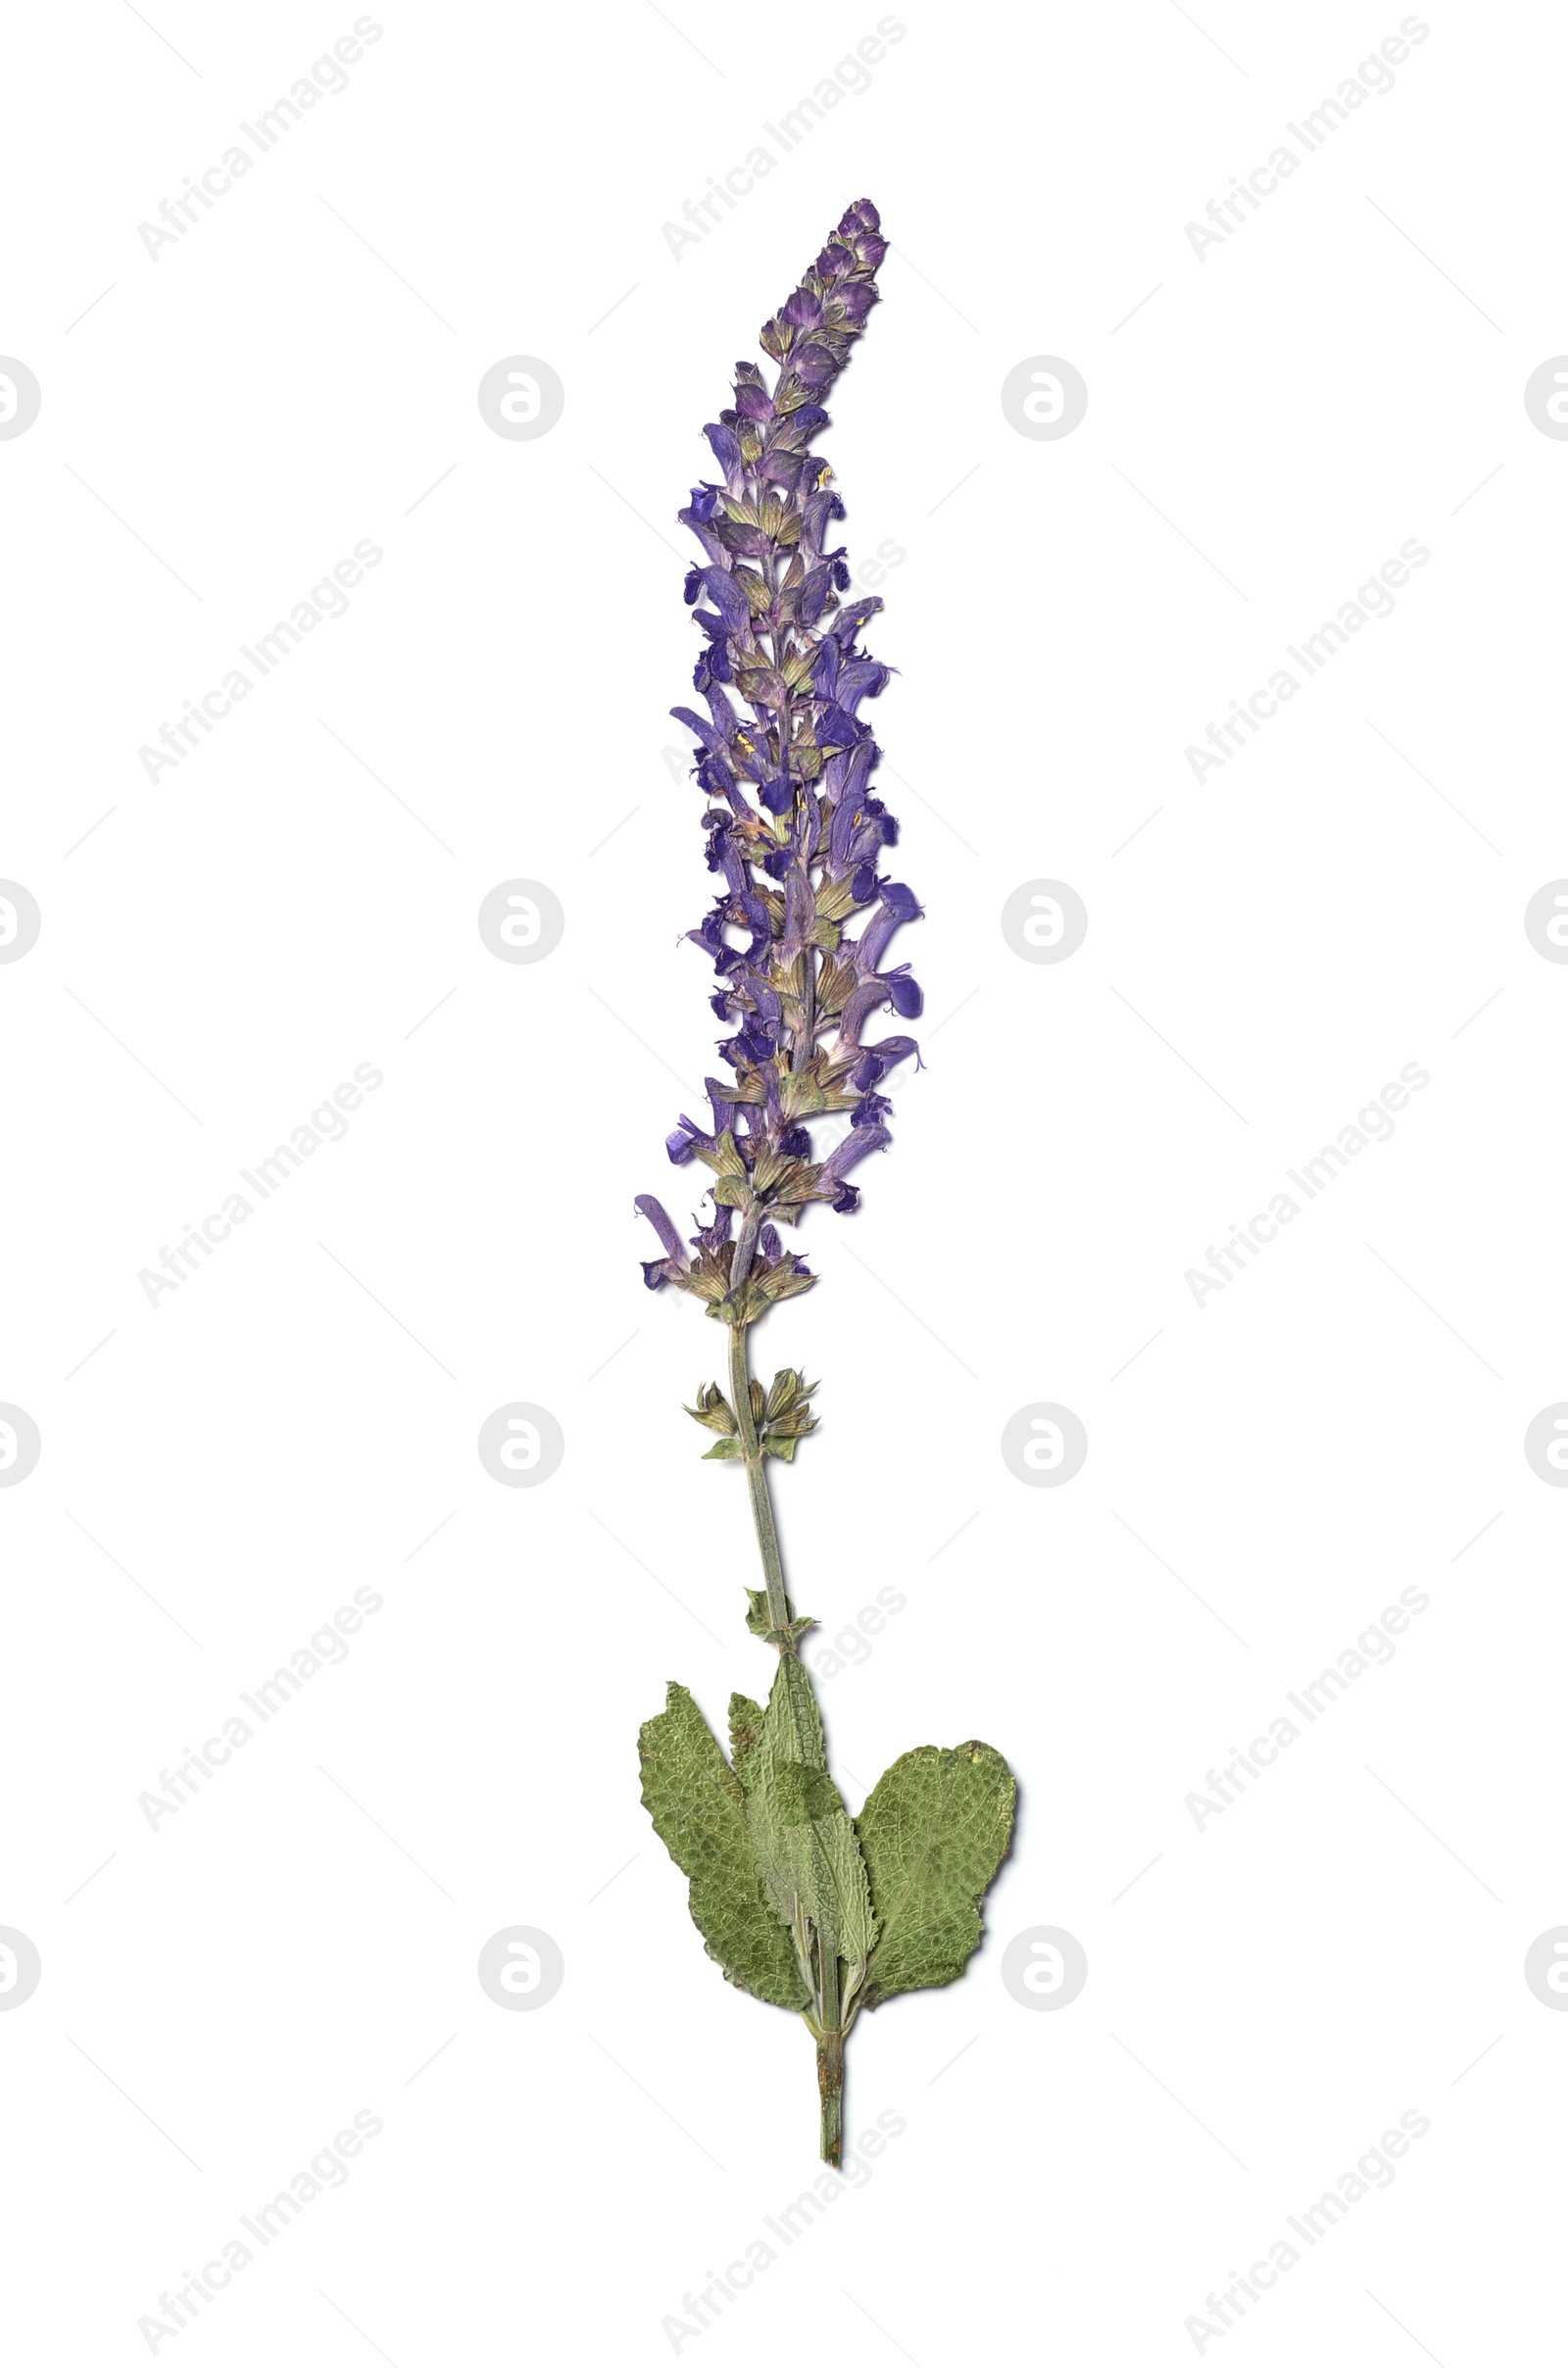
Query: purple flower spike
point(798, 1908)
point(795, 833)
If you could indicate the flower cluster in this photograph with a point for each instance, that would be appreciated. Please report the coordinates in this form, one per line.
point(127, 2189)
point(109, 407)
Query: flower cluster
point(793, 833)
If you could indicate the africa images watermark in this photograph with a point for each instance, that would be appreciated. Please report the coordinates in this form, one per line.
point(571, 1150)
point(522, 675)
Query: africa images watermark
point(1373, 2169)
point(1372, 78)
point(1374, 598)
point(1374, 1123)
point(849, 1648)
point(327, 1647)
point(327, 599)
point(326, 80)
point(851, 77)
point(699, 2310)
point(1374, 1648)
point(327, 1124)
point(329, 2168)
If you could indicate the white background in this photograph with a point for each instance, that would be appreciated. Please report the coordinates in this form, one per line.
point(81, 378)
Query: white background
point(1265, 428)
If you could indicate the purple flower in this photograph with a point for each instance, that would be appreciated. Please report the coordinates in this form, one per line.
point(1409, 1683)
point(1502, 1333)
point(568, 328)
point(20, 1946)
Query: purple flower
point(853, 1148)
point(679, 1144)
point(801, 926)
point(728, 598)
point(657, 1272)
point(726, 449)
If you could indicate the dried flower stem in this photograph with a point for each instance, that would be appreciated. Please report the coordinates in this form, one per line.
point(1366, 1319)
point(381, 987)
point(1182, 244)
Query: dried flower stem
point(830, 2088)
point(803, 1905)
point(740, 1383)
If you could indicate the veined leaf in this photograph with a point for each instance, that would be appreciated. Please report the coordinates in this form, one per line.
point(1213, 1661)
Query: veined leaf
point(746, 1718)
point(840, 1888)
point(933, 1834)
point(805, 1842)
point(699, 1813)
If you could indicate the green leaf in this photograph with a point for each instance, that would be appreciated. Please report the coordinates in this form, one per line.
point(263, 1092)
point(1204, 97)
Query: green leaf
point(699, 1812)
point(725, 1449)
point(804, 1844)
point(933, 1832)
point(849, 1921)
point(804, 1794)
point(791, 1728)
point(745, 1732)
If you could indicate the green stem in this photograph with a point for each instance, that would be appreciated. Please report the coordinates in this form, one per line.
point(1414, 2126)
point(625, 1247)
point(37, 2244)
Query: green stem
point(806, 1041)
point(830, 2054)
point(830, 2088)
point(826, 2020)
point(740, 1384)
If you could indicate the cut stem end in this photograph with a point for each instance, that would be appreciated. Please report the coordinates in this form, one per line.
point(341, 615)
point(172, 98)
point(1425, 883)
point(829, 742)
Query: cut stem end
point(830, 2088)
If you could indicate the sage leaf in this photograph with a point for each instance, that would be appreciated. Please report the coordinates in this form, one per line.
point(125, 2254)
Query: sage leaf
point(699, 1813)
point(745, 1733)
point(805, 1842)
point(933, 1834)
